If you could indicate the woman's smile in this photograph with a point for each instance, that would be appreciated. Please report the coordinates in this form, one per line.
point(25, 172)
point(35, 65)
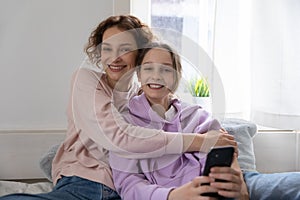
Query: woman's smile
point(116, 68)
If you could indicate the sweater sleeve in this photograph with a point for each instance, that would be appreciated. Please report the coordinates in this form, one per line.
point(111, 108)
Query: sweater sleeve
point(99, 122)
point(133, 185)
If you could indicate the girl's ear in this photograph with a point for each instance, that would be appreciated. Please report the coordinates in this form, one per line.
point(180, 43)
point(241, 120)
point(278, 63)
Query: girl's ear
point(138, 75)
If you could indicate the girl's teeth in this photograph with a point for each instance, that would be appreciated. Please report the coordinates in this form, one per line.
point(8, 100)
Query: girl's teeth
point(154, 86)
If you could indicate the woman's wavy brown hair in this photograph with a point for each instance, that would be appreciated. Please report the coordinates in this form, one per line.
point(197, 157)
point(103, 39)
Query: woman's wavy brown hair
point(139, 30)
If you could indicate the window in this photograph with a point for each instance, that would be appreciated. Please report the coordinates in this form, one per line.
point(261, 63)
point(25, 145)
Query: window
point(252, 47)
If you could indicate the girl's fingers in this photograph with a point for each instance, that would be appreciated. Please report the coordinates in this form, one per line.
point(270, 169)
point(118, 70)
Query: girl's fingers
point(201, 180)
point(231, 176)
point(227, 170)
point(230, 194)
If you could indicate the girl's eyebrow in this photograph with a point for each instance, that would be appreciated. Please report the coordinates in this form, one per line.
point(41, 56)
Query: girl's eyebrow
point(151, 62)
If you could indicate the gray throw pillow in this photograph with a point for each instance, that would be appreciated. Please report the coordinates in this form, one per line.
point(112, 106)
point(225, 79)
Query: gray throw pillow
point(46, 161)
point(243, 131)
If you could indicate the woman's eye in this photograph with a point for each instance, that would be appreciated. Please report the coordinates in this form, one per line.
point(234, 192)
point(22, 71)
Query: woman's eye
point(106, 49)
point(125, 49)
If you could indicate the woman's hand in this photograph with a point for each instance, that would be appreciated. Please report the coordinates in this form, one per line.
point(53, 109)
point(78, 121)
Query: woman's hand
point(193, 190)
point(226, 139)
point(204, 142)
point(232, 188)
point(216, 138)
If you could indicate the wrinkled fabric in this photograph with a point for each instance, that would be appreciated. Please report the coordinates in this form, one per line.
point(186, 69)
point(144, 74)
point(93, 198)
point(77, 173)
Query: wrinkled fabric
point(71, 188)
point(279, 186)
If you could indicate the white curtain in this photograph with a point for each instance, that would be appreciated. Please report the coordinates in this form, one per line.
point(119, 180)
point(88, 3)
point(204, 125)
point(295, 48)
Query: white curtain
point(275, 63)
point(256, 49)
point(231, 54)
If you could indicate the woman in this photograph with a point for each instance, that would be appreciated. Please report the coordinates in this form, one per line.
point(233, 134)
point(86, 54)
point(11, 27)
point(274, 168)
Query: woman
point(170, 176)
point(80, 168)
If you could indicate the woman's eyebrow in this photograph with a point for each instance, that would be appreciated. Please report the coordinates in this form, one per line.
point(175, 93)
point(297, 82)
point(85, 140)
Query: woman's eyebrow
point(127, 44)
point(105, 44)
point(123, 44)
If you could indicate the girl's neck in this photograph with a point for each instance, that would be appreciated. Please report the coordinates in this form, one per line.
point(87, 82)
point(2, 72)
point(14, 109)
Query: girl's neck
point(160, 107)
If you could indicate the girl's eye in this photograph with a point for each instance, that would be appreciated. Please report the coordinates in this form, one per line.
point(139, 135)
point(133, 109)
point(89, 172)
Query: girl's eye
point(167, 69)
point(147, 67)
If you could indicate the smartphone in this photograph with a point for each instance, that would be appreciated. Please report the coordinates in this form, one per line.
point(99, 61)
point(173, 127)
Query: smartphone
point(221, 157)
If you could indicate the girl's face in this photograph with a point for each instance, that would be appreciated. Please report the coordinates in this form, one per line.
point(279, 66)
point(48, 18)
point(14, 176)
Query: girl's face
point(157, 76)
point(118, 53)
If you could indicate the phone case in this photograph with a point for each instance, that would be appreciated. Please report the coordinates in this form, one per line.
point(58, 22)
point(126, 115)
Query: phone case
point(218, 156)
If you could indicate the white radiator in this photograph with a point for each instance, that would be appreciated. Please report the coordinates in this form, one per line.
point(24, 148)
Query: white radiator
point(277, 151)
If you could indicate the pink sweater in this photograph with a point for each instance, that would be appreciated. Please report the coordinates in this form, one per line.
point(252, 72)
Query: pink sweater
point(94, 127)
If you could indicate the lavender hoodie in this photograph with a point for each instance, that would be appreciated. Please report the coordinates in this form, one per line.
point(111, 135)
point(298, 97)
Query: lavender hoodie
point(153, 178)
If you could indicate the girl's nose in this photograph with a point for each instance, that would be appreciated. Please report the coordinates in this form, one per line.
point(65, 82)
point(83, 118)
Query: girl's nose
point(156, 74)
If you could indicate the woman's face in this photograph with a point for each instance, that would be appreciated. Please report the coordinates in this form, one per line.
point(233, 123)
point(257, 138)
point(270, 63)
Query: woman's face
point(118, 53)
point(156, 75)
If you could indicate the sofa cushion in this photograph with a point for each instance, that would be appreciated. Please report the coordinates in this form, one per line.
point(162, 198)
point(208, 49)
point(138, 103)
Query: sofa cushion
point(243, 132)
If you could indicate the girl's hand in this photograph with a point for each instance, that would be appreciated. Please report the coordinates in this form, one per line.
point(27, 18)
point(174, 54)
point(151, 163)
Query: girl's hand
point(193, 190)
point(232, 188)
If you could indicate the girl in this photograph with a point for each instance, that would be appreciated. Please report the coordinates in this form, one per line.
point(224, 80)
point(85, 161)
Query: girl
point(168, 177)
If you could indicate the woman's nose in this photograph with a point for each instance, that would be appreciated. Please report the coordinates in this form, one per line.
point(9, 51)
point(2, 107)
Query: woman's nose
point(115, 56)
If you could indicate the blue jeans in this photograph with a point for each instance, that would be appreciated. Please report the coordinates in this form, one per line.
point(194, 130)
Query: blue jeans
point(71, 188)
point(279, 186)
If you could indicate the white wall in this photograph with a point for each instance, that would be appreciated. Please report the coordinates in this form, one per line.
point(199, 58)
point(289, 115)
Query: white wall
point(41, 44)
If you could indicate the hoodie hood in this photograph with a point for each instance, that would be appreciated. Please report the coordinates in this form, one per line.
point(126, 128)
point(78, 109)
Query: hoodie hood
point(141, 112)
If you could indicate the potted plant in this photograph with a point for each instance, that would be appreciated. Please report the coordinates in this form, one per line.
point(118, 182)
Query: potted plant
point(199, 89)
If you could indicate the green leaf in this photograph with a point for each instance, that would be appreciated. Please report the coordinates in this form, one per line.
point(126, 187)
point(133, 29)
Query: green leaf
point(198, 87)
